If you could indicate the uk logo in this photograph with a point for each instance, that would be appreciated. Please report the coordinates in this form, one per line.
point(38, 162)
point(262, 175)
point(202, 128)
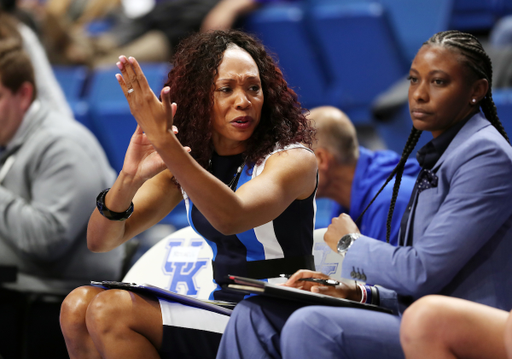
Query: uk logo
point(182, 265)
point(320, 252)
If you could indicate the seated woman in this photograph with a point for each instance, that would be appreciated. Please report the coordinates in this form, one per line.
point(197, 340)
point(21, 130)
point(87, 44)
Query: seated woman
point(454, 238)
point(249, 184)
point(444, 328)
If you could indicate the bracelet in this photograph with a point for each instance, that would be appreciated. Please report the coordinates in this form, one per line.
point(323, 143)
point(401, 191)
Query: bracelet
point(369, 293)
point(364, 294)
point(107, 213)
point(375, 295)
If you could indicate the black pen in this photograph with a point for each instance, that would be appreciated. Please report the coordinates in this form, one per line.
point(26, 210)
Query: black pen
point(321, 281)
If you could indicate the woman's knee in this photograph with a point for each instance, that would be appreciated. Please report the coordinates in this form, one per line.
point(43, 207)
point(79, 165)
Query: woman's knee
point(74, 307)
point(108, 309)
point(423, 318)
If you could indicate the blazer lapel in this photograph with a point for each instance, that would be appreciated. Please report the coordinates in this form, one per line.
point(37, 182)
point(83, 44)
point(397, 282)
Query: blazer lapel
point(474, 124)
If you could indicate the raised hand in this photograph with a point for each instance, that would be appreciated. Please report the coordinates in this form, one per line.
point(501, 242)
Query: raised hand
point(155, 117)
point(141, 161)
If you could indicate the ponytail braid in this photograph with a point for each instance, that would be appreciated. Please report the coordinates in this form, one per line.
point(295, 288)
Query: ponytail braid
point(398, 171)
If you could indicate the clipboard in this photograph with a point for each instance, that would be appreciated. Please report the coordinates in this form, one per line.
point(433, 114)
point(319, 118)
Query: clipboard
point(254, 286)
point(220, 307)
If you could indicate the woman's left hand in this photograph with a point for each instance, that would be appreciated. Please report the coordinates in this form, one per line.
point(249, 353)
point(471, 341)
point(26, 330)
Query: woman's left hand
point(339, 227)
point(155, 117)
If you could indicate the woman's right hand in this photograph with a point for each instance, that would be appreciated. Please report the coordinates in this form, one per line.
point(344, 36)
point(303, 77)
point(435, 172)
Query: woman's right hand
point(344, 290)
point(142, 161)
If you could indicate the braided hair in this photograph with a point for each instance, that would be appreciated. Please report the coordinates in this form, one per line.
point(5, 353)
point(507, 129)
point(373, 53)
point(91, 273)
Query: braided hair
point(477, 60)
point(414, 136)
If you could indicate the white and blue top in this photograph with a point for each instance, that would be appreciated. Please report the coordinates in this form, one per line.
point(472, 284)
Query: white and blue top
point(281, 246)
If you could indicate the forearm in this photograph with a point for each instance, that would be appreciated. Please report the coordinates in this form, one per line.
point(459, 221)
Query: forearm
point(103, 234)
point(216, 201)
point(287, 176)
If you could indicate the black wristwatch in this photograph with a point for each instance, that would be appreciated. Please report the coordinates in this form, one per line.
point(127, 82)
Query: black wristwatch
point(345, 242)
point(107, 213)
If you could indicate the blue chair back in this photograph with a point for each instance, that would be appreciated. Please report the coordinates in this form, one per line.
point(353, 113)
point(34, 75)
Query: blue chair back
point(503, 101)
point(73, 80)
point(414, 22)
point(360, 53)
point(474, 15)
point(281, 28)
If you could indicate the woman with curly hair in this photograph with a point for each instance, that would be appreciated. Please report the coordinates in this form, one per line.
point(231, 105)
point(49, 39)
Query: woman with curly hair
point(249, 184)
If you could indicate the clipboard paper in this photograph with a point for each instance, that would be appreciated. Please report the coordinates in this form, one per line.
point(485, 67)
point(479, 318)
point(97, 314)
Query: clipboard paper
point(253, 286)
point(148, 289)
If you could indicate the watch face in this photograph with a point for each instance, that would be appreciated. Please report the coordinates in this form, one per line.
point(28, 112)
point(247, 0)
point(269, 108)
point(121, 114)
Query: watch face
point(344, 243)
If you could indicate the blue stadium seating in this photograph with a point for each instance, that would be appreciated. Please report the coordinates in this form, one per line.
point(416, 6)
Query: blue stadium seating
point(414, 22)
point(360, 53)
point(281, 28)
point(503, 100)
point(72, 80)
point(474, 15)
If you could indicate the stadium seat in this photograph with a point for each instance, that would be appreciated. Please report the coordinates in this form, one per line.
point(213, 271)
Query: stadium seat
point(180, 262)
point(72, 80)
point(360, 53)
point(503, 100)
point(414, 22)
point(282, 30)
point(474, 15)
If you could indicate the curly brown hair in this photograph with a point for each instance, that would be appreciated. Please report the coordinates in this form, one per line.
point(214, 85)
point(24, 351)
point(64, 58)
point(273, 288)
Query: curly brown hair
point(191, 81)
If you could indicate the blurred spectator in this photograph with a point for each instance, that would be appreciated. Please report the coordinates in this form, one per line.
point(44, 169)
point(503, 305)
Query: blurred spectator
point(147, 30)
point(352, 175)
point(51, 169)
point(48, 89)
point(501, 33)
point(226, 12)
point(65, 25)
point(500, 52)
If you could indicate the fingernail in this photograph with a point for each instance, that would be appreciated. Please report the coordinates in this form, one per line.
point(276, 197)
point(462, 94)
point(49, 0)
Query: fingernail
point(122, 58)
point(167, 89)
point(119, 65)
point(131, 59)
point(118, 77)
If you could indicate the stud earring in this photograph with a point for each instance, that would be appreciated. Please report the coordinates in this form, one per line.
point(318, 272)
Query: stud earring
point(473, 100)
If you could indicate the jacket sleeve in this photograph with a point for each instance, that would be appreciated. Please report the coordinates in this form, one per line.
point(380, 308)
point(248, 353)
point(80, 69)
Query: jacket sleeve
point(474, 207)
point(64, 181)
